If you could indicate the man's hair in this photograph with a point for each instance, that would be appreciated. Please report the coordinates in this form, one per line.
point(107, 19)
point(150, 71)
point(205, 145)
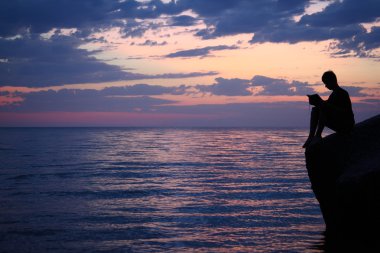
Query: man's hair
point(329, 77)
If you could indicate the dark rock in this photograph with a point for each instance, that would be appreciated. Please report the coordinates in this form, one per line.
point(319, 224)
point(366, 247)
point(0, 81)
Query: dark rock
point(344, 171)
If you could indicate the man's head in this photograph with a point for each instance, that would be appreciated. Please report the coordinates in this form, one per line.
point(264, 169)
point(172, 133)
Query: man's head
point(329, 79)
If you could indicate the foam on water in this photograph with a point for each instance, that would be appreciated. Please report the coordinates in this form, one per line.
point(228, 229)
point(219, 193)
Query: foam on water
point(152, 190)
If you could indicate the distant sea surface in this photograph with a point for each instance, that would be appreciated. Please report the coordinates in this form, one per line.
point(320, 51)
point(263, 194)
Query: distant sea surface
point(156, 190)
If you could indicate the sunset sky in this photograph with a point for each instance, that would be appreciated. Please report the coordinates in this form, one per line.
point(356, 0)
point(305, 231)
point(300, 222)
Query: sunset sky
point(184, 62)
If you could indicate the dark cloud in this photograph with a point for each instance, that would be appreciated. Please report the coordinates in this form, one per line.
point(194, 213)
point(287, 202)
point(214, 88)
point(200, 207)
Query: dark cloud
point(183, 20)
point(208, 8)
point(343, 13)
point(107, 100)
point(37, 62)
point(291, 32)
point(128, 98)
point(273, 21)
point(183, 75)
point(147, 9)
point(361, 45)
point(340, 15)
point(144, 89)
point(270, 21)
point(266, 86)
point(131, 99)
point(200, 52)
point(227, 87)
point(152, 43)
point(133, 28)
point(274, 87)
point(34, 62)
point(354, 91)
point(139, 98)
point(125, 98)
point(40, 16)
point(244, 16)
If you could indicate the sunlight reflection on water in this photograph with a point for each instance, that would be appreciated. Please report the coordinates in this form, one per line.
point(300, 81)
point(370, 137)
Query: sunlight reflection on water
point(147, 190)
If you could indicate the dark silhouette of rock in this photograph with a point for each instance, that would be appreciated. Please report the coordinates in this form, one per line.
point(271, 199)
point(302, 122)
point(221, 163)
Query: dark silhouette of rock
point(344, 171)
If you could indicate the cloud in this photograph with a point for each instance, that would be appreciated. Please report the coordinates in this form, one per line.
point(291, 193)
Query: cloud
point(142, 98)
point(183, 20)
point(258, 85)
point(144, 89)
point(208, 8)
point(146, 9)
point(136, 28)
point(269, 21)
point(274, 87)
point(182, 75)
point(130, 97)
point(244, 16)
point(343, 13)
point(267, 86)
point(355, 91)
point(360, 45)
point(136, 99)
point(274, 21)
point(41, 16)
point(291, 32)
point(126, 98)
point(152, 43)
point(227, 87)
point(200, 52)
point(67, 100)
point(36, 62)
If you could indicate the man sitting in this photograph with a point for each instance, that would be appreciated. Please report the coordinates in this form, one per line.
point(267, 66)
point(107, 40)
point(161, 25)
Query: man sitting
point(335, 113)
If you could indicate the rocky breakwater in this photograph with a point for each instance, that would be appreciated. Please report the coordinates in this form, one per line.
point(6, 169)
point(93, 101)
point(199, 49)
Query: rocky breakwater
point(345, 176)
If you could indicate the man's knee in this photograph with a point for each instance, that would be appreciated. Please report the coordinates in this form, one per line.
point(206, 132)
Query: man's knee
point(315, 112)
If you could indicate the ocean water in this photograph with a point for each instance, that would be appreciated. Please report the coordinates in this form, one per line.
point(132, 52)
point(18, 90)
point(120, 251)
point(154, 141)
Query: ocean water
point(156, 190)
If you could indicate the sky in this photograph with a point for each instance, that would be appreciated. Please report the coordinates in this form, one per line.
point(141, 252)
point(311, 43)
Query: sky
point(183, 63)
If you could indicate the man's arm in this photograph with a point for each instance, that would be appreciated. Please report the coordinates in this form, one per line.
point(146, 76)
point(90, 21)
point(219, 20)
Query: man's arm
point(341, 104)
point(315, 100)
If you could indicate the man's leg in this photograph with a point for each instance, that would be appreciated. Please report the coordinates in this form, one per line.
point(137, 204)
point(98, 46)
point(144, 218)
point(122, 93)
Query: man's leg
point(314, 124)
point(322, 120)
point(314, 121)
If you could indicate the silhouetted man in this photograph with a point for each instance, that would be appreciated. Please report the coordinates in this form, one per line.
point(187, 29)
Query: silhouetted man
point(335, 113)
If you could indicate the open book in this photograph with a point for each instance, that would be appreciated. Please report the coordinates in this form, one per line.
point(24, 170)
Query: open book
point(314, 99)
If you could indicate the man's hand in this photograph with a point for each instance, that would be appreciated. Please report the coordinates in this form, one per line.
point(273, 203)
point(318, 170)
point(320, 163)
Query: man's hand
point(315, 100)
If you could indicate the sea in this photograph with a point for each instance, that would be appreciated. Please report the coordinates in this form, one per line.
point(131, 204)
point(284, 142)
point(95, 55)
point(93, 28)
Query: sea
point(156, 190)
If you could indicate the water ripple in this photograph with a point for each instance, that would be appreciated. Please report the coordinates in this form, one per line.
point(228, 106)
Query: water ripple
point(156, 190)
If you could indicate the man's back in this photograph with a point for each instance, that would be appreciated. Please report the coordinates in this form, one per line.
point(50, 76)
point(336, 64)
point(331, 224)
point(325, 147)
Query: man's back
point(339, 111)
point(339, 101)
